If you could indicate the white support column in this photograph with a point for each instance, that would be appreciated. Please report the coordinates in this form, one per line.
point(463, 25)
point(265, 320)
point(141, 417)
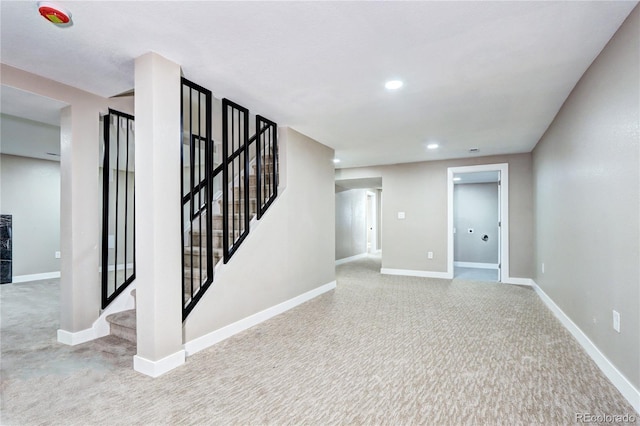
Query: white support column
point(158, 253)
point(79, 222)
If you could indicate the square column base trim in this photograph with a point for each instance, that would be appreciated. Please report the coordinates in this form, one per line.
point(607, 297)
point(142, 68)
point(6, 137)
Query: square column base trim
point(75, 338)
point(157, 368)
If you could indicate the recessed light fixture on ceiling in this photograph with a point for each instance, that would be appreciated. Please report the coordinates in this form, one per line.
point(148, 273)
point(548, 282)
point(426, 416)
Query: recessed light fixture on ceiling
point(336, 160)
point(432, 146)
point(393, 84)
point(457, 179)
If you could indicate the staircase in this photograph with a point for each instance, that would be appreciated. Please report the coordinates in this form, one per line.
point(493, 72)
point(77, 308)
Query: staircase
point(195, 252)
point(123, 324)
point(246, 175)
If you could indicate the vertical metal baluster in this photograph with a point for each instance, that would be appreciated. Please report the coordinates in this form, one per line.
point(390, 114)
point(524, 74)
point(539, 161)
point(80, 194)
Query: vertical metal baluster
point(191, 188)
point(126, 202)
point(105, 208)
point(115, 260)
point(199, 195)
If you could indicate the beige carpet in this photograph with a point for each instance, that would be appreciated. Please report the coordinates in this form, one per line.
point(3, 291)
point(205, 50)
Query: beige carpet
point(378, 350)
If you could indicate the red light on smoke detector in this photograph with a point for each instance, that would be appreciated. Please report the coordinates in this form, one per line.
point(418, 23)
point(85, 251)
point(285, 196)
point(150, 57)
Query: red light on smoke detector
point(54, 14)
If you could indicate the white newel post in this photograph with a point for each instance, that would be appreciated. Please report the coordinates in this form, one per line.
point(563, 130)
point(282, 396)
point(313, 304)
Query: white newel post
point(158, 253)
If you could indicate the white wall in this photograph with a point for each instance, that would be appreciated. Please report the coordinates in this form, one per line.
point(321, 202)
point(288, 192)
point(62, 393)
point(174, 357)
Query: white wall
point(475, 207)
point(291, 250)
point(587, 197)
point(351, 230)
point(30, 192)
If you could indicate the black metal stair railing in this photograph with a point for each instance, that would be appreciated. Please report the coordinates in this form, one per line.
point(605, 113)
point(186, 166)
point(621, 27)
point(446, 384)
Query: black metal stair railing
point(207, 236)
point(266, 163)
point(196, 149)
point(118, 268)
point(238, 182)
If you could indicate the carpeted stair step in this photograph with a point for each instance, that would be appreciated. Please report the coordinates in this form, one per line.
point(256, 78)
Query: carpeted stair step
point(267, 168)
point(123, 324)
point(239, 204)
point(252, 192)
point(266, 179)
point(196, 256)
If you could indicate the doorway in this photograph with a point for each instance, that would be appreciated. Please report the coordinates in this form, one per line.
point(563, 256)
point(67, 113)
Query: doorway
point(371, 220)
point(478, 232)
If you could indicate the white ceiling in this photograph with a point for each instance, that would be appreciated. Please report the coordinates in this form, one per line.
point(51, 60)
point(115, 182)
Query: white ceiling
point(487, 75)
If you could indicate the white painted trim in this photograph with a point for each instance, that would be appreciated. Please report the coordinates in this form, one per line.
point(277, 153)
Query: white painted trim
point(100, 327)
point(617, 378)
point(476, 265)
point(158, 368)
point(210, 339)
point(35, 277)
point(518, 281)
point(351, 258)
point(503, 168)
point(374, 221)
point(414, 273)
point(123, 302)
point(75, 338)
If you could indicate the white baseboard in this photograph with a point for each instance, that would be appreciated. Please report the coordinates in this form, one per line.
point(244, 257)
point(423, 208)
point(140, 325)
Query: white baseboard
point(100, 327)
point(351, 258)
point(158, 368)
point(413, 273)
point(210, 339)
point(123, 302)
point(35, 277)
point(518, 281)
point(476, 265)
point(617, 378)
point(75, 338)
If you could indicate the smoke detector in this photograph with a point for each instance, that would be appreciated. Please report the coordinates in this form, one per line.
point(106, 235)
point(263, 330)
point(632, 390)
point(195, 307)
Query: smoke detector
point(54, 14)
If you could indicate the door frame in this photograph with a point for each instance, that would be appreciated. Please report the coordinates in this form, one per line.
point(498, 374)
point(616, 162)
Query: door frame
point(371, 200)
point(503, 214)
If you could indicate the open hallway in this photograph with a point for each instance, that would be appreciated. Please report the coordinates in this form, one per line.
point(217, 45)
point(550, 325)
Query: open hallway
point(377, 350)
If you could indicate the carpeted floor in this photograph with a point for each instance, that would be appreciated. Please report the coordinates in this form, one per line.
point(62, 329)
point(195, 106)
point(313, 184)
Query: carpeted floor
point(379, 349)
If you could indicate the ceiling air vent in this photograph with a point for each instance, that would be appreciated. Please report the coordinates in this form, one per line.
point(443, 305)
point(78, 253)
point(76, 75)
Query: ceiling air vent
point(474, 150)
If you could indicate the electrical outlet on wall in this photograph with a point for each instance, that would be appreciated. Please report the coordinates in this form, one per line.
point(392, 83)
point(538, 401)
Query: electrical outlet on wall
point(543, 267)
point(616, 321)
point(57, 255)
point(430, 255)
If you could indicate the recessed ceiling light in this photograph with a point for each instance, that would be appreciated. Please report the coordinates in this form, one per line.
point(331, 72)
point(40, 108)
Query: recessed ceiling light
point(393, 84)
point(432, 146)
point(457, 179)
point(336, 160)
